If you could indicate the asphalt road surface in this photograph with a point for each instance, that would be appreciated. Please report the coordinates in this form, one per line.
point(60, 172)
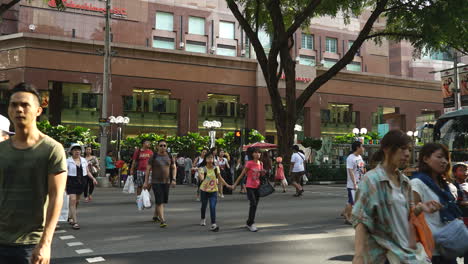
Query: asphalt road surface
point(291, 230)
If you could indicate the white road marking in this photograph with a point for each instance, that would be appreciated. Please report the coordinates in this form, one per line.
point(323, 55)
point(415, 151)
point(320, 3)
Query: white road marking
point(74, 244)
point(96, 259)
point(60, 231)
point(67, 237)
point(84, 251)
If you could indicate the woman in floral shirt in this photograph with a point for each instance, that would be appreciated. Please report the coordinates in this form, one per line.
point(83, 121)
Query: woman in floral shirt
point(384, 200)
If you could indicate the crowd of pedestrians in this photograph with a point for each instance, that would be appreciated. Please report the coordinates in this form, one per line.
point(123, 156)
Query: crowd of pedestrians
point(397, 219)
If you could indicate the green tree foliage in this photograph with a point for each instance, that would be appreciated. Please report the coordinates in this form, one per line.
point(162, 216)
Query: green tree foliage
point(68, 135)
point(406, 20)
point(313, 143)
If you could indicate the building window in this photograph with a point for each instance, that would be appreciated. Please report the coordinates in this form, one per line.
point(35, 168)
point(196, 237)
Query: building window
point(350, 43)
point(331, 45)
point(247, 46)
point(163, 43)
point(328, 63)
point(194, 46)
point(224, 108)
point(307, 60)
point(337, 119)
point(151, 110)
point(444, 56)
point(307, 41)
point(226, 50)
point(196, 26)
point(354, 66)
point(226, 30)
point(79, 105)
point(265, 40)
point(164, 21)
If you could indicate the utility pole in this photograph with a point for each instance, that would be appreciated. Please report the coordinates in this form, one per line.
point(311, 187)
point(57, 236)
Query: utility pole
point(105, 92)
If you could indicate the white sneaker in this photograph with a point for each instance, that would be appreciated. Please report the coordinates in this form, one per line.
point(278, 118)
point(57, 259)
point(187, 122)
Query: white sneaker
point(222, 196)
point(252, 228)
point(214, 228)
point(203, 222)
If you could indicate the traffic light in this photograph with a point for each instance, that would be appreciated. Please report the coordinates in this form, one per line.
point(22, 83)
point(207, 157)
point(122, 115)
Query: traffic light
point(238, 137)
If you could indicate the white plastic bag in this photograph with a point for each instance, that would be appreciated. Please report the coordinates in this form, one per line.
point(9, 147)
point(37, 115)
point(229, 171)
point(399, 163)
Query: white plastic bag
point(284, 182)
point(305, 179)
point(64, 212)
point(146, 199)
point(139, 202)
point(129, 186)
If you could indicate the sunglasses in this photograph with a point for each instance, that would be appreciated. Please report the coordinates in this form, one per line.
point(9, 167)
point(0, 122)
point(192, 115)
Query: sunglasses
point(163, 146)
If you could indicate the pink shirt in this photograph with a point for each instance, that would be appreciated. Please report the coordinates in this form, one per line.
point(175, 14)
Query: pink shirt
point(253, 174)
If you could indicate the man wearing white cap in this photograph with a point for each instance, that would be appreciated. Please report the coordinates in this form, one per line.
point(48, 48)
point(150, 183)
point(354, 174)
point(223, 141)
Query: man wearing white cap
point(5, 128)
point(33, 174)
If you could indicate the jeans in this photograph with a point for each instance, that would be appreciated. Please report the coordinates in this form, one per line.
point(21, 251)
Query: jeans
point(16, 254)
point(213, 198)
point(254, 198)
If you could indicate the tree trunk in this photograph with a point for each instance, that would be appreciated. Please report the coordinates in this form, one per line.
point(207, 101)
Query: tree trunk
point(285, 129)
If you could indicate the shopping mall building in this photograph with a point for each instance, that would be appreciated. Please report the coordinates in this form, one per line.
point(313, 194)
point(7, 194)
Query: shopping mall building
point(177, 65)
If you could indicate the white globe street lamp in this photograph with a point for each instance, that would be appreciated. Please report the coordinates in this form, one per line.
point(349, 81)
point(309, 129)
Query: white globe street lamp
point(212, 125)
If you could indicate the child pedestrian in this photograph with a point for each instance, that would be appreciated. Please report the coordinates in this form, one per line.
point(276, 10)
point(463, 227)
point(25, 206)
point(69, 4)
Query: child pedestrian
point(279, 173)
point(124, 172)
point(209, 175)
point(253, 169)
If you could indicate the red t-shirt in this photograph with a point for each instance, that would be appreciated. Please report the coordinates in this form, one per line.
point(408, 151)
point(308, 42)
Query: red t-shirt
point(253, 174)
point(143, 157)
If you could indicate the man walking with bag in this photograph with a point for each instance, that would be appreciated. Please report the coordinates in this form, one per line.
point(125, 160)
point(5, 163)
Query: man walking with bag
point(140, 162)
point(164, 174)
point(297, 170)
point(32, 182)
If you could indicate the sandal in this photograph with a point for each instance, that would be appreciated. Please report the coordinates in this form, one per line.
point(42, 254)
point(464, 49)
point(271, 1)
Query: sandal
point(70, 221)
point(76, 226)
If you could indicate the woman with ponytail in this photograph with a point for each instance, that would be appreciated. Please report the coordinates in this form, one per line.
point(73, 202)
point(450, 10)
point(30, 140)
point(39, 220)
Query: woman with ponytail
point(383, 204)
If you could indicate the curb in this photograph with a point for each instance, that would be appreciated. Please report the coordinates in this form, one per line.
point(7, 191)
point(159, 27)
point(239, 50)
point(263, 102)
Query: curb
point(327, 182)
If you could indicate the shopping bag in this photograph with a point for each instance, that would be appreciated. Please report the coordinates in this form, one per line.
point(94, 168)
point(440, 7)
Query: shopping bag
point(146, 199)
point(284, 182)
point(139, 202)
point(305, 179)
point(64, 212)
point(126, 186)
point(129, 186)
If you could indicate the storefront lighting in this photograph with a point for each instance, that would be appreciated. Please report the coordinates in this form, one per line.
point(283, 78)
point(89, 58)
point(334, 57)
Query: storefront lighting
point(212, 124)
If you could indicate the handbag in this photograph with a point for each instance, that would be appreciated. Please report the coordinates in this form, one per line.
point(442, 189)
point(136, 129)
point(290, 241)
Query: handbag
point(452, 239)
point(265, 188)
point(422, 233)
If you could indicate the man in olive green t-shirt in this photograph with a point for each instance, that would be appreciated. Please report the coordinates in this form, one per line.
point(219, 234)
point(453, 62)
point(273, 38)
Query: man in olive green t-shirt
point(32, 181)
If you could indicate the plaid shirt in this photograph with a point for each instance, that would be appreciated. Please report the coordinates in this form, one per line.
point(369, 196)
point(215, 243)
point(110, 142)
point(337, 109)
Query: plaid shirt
point(372, 209)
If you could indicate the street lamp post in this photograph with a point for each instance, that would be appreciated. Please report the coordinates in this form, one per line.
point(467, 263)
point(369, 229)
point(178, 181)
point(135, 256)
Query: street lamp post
point(119, 121)
point(212, 125)
point(414, 136)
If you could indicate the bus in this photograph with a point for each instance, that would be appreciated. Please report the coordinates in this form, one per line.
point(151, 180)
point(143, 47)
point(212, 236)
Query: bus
point(451, 129)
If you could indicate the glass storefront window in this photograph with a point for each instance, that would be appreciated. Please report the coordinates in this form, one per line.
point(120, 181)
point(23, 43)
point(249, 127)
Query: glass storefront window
point(164, 21)
point(337, 119)
point(80, 106)
point(151, 110)
point(224, 108)
point(4, 98)
point(265, 40)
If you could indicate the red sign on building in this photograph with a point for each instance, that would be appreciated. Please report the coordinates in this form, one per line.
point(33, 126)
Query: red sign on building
point(89, 7)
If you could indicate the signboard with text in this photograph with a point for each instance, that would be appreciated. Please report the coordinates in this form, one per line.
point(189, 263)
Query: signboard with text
point(90, 7)
point(463, 77)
